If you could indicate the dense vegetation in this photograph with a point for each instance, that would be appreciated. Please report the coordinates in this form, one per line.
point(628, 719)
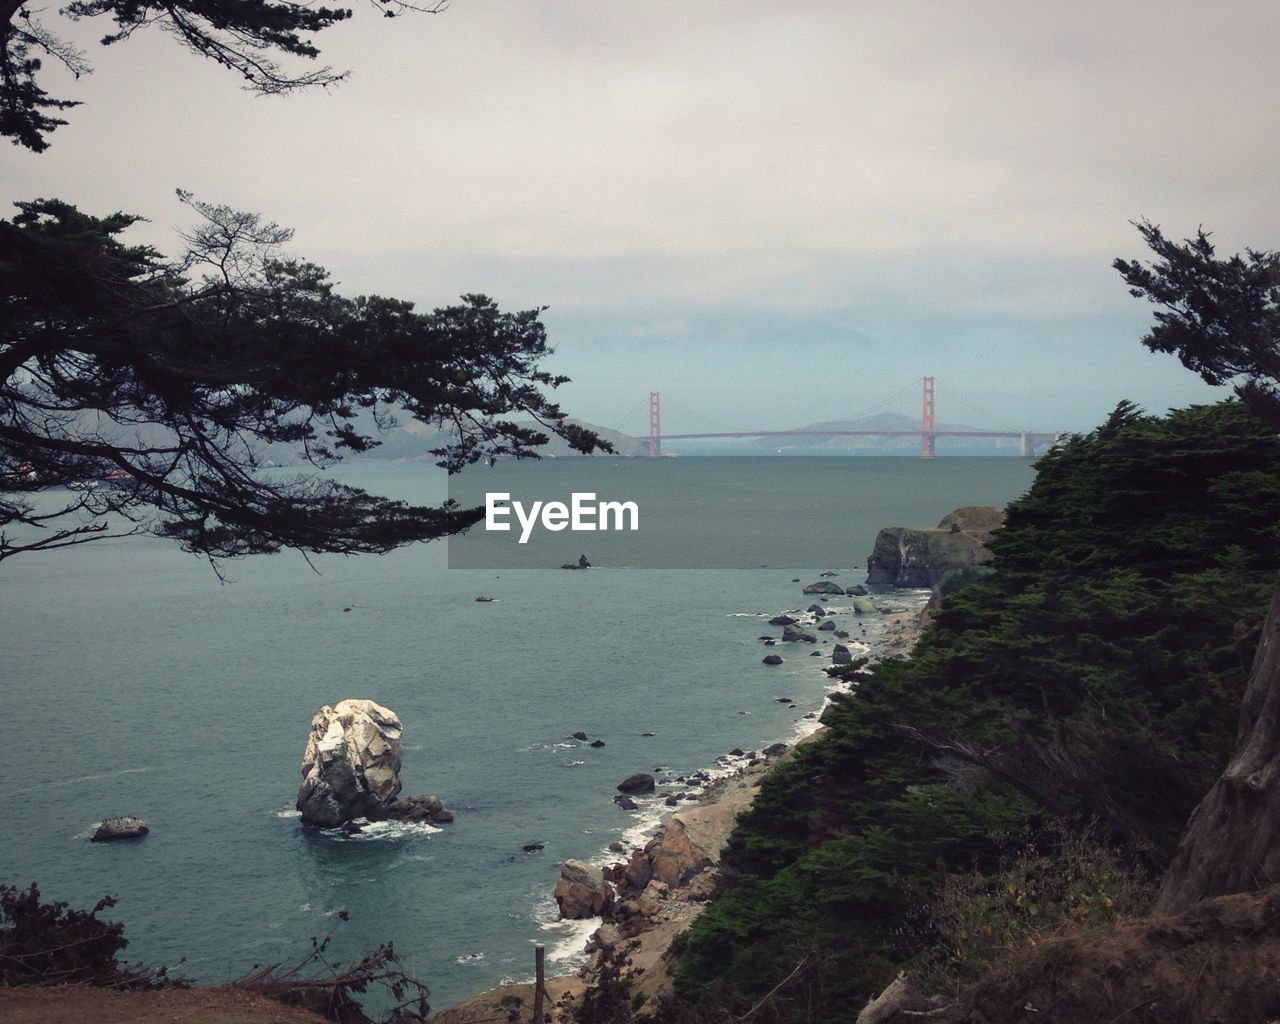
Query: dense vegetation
point(1090, 682)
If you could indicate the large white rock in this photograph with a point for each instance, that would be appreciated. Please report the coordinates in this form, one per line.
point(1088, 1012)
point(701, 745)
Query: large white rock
point(351, 768)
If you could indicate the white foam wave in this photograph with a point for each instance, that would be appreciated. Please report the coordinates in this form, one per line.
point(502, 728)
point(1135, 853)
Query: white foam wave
point(289, 812)
point(569, 948)
point(394, 830)
point(469, 958)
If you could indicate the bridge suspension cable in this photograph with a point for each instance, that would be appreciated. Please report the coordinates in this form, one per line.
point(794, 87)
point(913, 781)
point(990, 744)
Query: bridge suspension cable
point(628, 414)
point(953, 394)
point(684, 410)
point(871, 409)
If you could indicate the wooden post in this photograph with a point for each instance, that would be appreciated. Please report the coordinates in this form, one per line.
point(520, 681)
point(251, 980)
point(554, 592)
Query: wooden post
point(538, 953)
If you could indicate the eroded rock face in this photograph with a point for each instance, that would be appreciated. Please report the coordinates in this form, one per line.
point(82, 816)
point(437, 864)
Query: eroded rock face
point(908, 557)
point(582, 891)
point(675, 857)
point(351, 767)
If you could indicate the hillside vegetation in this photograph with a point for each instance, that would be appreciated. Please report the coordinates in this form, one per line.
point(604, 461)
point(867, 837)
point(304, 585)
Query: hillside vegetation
point(1037, 756)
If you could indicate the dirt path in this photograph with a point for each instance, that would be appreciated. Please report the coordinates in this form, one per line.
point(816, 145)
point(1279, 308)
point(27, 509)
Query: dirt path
point(84, 1004)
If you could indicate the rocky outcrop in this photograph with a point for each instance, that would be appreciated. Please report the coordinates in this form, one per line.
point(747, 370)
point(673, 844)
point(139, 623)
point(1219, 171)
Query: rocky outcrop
point(823, 587)
point(640, 782)
point(798, 634)
point(351, 769)
point(581, 891)
point(112, 829)
point(674, 856)
point(909, 557)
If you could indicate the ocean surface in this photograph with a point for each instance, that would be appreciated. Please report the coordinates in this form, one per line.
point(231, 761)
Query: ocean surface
point(134, 682)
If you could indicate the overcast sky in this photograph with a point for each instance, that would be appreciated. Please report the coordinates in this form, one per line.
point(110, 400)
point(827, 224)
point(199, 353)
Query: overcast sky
point(769, 212)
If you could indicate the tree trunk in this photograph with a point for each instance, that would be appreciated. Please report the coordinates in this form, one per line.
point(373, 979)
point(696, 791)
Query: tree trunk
point(1232, 840)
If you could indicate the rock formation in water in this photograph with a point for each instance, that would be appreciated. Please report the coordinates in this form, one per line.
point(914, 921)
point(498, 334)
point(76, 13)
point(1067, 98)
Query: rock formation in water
point(351, 769)
point(581, 891)
point(908, 557)
point(112, 829)
point(640, 782)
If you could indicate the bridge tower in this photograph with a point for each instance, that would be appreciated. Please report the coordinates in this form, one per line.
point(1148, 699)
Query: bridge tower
point(655, 425)
point(927, 422)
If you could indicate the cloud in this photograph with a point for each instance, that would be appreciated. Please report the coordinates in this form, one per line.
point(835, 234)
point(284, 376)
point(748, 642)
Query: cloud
point(914, 168)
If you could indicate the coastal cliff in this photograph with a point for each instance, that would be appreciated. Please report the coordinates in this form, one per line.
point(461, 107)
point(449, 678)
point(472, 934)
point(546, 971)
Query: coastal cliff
point(913, 557)
point(1027, 772)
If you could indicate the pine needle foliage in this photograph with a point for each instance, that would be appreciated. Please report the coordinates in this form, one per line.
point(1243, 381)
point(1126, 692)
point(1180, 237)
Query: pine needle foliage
point(1094, 675)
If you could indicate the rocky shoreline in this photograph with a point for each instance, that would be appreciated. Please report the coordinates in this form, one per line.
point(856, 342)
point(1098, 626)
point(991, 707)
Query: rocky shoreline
point(647, 899)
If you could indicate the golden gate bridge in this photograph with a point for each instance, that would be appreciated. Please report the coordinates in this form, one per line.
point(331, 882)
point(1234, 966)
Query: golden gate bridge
point(928, 432)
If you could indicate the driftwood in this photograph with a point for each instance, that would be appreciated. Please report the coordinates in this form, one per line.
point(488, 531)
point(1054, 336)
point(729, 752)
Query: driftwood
point(901, 997)
point(1232, 840)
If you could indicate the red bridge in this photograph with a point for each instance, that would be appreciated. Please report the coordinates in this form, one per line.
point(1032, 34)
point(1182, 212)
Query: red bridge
point(1028, 441)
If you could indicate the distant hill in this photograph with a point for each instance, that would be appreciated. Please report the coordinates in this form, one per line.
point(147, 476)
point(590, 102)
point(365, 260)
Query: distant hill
point(878, 421)
point(415, 440)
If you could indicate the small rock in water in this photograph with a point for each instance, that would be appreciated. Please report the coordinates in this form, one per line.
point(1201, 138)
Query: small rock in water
point(671, 801)
point(815, 654)
point(772, 659)
point(640, 782)
point(347, 609)
point(796, 579)
point(533, 847)
point(784, 700)
point(736, 752)
point(127, 827)
point(617, 847)
point(776, 749)
point(625, 802)
point(648, 734)
point(484, 600)
point(580, 736)
point(597, 743)
point(811, 714)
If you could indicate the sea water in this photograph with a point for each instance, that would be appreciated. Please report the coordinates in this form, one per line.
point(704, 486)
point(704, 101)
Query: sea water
point(133, 681)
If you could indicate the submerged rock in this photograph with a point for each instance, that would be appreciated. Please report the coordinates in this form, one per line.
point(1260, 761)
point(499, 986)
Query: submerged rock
point(827, 626)
point(127, 827)
point(782, 620)
point(772, 659)
point(795, 634)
